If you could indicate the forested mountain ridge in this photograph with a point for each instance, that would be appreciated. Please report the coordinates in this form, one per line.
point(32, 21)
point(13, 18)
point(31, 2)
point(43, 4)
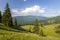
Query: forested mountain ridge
point(28, 19)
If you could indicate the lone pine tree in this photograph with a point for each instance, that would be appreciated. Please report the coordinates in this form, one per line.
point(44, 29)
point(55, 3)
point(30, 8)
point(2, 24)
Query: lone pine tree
point(15, 22)
point(36, 28)
point(7, 18)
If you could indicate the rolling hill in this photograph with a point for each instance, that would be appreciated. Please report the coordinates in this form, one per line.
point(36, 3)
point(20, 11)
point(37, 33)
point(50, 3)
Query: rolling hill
point(11, 35)
point(53, 20)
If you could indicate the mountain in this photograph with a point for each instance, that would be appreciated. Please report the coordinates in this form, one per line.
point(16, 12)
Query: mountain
point(52, 20)
point(28, 19)
point(55, 19)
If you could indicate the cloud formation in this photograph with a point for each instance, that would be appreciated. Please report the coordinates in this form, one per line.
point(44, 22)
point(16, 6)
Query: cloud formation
point(35, 8)
point(28, 11)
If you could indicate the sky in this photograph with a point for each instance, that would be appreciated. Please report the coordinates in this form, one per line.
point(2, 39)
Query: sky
point(48, 8)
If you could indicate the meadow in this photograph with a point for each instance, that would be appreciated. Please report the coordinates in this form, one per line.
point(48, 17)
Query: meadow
point(7, 33)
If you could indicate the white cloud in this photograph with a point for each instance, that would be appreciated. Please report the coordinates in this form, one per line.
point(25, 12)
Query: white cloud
point(34, 10)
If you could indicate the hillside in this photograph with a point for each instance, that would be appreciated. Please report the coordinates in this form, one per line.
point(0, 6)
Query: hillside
point(48, 30)
point(11, 35)
point(31, 19)
point(51, 20)
point(3, 27)
point(54, 19)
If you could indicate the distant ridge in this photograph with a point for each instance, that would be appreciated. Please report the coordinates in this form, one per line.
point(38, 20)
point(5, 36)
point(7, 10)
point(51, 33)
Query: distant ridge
point(28, 19)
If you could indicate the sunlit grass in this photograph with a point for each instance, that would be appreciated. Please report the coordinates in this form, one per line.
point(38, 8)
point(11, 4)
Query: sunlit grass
point(48, 30)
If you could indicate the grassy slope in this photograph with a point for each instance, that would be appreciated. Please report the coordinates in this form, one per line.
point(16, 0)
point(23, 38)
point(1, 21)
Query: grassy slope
point(49, 30)
point(7, 33)
point(10, 35)
point(3, 27)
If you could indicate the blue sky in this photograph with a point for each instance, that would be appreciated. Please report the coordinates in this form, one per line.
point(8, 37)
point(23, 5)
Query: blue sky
point(49, 8)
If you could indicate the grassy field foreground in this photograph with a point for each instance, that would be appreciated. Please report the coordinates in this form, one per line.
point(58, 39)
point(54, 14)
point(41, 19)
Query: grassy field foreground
point(11, 35)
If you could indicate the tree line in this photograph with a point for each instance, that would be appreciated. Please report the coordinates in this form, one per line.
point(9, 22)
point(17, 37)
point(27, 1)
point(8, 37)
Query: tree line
point(6, 17)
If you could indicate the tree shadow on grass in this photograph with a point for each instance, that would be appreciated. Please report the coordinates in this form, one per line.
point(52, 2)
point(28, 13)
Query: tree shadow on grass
point(15, 29)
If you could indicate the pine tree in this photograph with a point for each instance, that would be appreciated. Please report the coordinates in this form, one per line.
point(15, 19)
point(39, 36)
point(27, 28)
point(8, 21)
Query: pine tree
point(15, 22)
point(0, 17)
point(36, 26)
point(41, 32)
point(38, 29)
point(7, 19)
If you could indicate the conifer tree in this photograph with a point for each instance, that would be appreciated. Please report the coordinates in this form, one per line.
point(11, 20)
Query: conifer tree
point(15, 22)
point(36, 26)
point(0, 17)
point(38, 29)
point(41, 32)
point(7, 18)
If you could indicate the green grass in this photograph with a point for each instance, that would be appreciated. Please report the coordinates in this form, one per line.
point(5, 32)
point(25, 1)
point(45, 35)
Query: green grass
point(12, 35)
point(28, 27)
point(3, 27)
point(8, 35)
point(48, 30)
